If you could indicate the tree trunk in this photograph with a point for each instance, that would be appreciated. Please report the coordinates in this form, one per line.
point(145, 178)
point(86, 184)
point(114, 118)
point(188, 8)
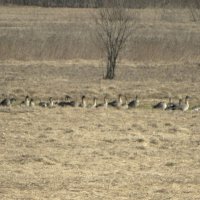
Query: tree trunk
point(111, 65)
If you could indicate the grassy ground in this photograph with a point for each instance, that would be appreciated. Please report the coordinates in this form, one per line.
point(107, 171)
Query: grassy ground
point(86, 154)
point(151, 82)
point(32, 33)
point(66, 153)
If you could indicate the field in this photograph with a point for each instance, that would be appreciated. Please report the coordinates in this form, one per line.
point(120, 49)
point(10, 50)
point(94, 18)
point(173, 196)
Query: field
point(74, 153)
point(159, 35)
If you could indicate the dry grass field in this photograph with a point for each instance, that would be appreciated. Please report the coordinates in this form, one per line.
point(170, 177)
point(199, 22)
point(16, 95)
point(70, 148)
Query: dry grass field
point(60, 33)
point(77, 154)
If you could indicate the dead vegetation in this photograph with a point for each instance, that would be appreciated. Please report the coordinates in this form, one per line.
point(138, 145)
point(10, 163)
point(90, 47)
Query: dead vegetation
point(76, 154)
point(72, 153)
point(66, 153)
point(160, 35)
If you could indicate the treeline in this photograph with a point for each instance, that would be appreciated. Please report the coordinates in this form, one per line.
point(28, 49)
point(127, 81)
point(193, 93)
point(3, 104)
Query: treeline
point(100, 3)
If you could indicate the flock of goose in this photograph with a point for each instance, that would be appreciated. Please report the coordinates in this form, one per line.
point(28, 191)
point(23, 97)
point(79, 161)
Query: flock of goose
point(119, 103)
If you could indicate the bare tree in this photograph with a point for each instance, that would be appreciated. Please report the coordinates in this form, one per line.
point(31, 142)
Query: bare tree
point(113, 28)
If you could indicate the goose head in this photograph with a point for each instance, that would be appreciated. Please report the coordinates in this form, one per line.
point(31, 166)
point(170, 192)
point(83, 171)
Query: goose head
point(84, 101)
point(187, 99)
point(83, 97)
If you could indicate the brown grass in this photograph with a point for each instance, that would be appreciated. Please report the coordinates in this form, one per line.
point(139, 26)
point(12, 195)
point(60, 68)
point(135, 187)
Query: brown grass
point(66, 153)
point(30, 33)
point(83, 154)
point(149, 81)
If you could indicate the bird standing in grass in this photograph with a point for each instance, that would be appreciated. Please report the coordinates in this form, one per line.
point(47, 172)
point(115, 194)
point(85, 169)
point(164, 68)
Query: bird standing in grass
point(185, 106)
point(161, 105)
point(75, 104)
point(125, 105)
point(94, 105)
point(50, 104)
point(174, 106)
point(116, 103)
point(134, 103)
point(103, 105)
point(26, 102)
point(83, 102)
point(43, 104)
point(5, 102)
point(32, 103)
point(66, 102)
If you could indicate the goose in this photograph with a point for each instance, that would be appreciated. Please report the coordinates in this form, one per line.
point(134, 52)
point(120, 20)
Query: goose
point(174, 106)
point(134, 103)
point(117, 103)
point(50, 104)
point(75, 104)
point(161, 105)
point(43, 104)
point(66, 102)
point(32, 103)
point(185, 106)
point(5, 102)
point(105, 104)
point(83, 102)
point(26, 102)
point(94, 105)
point(125, 105)
point(170, 104)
